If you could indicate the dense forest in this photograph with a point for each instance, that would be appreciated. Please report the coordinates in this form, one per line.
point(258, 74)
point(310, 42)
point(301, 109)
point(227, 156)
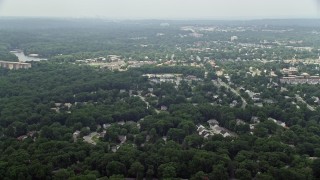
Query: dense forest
point(50, 151)
point(65, 120)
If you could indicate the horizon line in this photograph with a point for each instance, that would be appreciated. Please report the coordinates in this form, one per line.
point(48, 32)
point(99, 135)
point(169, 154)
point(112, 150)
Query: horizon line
point(163, 19)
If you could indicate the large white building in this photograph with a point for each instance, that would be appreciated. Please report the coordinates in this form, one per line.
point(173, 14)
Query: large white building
point(14, 65)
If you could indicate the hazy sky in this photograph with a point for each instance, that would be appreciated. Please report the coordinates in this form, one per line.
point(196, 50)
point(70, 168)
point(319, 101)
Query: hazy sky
point(163, 9)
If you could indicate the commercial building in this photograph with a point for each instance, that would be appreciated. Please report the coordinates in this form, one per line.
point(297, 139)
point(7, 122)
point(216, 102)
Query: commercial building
point(303, 79)
point(14, 65)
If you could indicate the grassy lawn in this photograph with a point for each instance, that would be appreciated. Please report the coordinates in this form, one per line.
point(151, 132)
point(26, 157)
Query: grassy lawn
point(95, 138)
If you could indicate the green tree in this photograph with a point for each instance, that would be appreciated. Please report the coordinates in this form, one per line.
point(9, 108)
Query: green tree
point(316, 168)
point(150, 172)
point(62, 174)
point(117, 177)
point(199, 176)
point(167, 171)
point(243, 174)
point(115, 167)
point(219, 173)
point(136, 169)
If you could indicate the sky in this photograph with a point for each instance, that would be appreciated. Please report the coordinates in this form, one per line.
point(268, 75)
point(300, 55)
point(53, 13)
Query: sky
point(162, 9)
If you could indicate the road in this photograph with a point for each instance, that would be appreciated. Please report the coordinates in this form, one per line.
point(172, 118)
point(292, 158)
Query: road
point(143, 99)
point(221, 83)
point(300, 99)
